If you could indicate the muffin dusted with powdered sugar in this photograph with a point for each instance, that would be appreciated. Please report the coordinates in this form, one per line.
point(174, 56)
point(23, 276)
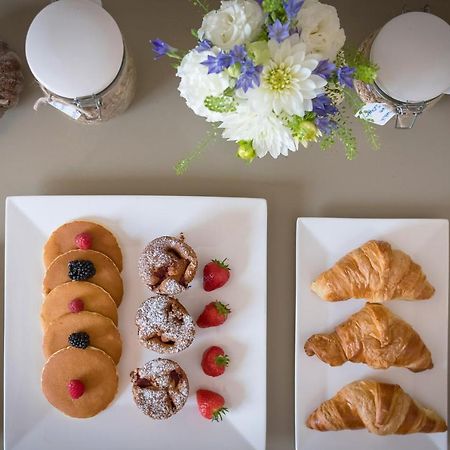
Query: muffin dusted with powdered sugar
point(160, 388)
point(167, 265)
point(164, 325)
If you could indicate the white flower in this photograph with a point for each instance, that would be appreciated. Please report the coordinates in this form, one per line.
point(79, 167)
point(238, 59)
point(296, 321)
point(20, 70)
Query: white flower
point(236, 22)
point(196, 84)
point(287, 82)
point(261, 126)
point(320, 29)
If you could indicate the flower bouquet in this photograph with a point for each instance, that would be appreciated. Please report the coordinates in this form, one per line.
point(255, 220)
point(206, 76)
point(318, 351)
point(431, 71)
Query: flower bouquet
point(271, 75)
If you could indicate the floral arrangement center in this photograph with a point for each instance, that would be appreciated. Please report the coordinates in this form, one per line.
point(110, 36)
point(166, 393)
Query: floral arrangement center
point(271, 75)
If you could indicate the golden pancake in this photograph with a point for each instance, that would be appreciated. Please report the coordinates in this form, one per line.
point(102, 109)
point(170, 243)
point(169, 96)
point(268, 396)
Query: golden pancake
point(62, 240)
point(93, 298)
point(106, 274)
point(103, 334)
point(96, 371)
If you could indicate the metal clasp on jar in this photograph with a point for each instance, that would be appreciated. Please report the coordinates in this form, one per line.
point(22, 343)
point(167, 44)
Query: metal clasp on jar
point(86, 104)
point(407, 114)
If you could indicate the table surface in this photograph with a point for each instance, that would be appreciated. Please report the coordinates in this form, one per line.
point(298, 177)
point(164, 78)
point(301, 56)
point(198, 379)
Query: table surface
point(45, 153)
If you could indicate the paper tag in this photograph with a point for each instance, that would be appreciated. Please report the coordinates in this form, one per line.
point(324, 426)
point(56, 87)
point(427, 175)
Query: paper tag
point(378, 113)
point(70, 110)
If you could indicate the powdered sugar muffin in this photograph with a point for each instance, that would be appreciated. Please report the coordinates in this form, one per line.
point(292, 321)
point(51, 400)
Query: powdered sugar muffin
point(160, 388)
point(167, 265)
point(164, 325)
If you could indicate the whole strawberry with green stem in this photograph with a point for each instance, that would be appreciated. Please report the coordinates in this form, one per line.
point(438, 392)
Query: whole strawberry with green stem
point(211, 405)
point(214, 314)
point(214, 361)
point(215, 274)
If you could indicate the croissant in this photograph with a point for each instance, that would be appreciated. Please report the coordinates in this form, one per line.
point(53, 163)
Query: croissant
point(382, 408)
point(374, 336)
point(375, 272)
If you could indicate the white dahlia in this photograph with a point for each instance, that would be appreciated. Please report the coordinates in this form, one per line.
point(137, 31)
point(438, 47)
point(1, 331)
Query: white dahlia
point(287, 82)
point(196, 84)
point(321, 29)
point(261, 126)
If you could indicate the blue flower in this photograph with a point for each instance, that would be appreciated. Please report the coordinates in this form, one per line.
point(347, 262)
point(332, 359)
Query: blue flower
point(279, 31)
point(292, 7)
point(204, 45)
point(324, 69)
point(250, 76)
point(238, 54)
point(345, 76)
point(323, 106)
point(325, 125)
point(161, 48)
point(217, 64)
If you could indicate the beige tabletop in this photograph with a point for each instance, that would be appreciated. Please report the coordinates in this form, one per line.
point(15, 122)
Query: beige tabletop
point(45, 153)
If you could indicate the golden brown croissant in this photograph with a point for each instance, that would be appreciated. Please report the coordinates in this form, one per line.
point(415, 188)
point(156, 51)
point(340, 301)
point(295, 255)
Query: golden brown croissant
point(374, 336)
point(375, 272)
point(380, 407)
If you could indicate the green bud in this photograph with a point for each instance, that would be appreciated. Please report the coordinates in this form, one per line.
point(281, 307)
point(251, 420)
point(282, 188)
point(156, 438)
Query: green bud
point(259, 51)
point(246, 151)
point(234, 71)
point(367, 74)
point(303, 130)
point(221, 103)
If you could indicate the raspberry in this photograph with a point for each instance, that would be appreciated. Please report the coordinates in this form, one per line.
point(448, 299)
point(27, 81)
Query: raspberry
point(83, 241)
point(79, 340)
point(80, 270)
point(76, 388)
point(76, 305)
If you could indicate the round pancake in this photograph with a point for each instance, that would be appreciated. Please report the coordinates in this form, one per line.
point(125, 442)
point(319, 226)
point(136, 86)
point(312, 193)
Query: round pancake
point(62, 240)
point(94, 298)
point(107, 275)
point(93, 367)
point(103, 334)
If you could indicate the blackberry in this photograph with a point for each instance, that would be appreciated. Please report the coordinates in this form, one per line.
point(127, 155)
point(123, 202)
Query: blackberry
point(79, 340)
point(80, 270)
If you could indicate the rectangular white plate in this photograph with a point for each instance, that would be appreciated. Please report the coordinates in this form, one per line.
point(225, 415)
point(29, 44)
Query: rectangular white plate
point(320, 243)
point(216, 228)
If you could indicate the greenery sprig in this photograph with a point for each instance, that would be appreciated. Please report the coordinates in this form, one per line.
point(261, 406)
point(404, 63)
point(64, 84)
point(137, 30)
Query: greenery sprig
point(202, 4)
point(211, 136)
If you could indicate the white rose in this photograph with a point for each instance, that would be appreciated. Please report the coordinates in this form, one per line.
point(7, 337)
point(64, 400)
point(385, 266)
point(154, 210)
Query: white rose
point(236, 22)
point(196, 84)
point(320, 29)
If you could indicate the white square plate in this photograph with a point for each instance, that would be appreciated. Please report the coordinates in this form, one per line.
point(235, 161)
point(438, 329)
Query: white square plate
point(320, 243)
point(216, 228)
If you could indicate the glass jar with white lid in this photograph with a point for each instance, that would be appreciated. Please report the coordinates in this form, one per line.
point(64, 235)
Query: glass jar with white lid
point(412, 52)
point(76, 52)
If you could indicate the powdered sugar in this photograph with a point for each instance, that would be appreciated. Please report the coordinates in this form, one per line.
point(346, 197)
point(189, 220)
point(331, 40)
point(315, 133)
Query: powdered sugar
point(167, 389)
point(164, 325)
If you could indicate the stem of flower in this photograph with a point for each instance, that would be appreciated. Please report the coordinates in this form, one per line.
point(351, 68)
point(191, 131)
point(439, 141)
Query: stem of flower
point(182, 166)
point(201, 4)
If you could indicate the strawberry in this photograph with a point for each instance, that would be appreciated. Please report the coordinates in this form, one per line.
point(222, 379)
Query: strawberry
point(214, 314)
point(215, 274)
point(75, 388)
point(214, 361)
point(83, 241)
point(211, 405)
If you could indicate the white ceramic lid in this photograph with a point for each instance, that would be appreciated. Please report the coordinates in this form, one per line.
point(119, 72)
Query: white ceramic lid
point(74, 48)
point(413, 54)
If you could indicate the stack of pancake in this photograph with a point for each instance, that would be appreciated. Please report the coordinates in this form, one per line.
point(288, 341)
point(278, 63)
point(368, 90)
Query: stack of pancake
point(81, 342)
